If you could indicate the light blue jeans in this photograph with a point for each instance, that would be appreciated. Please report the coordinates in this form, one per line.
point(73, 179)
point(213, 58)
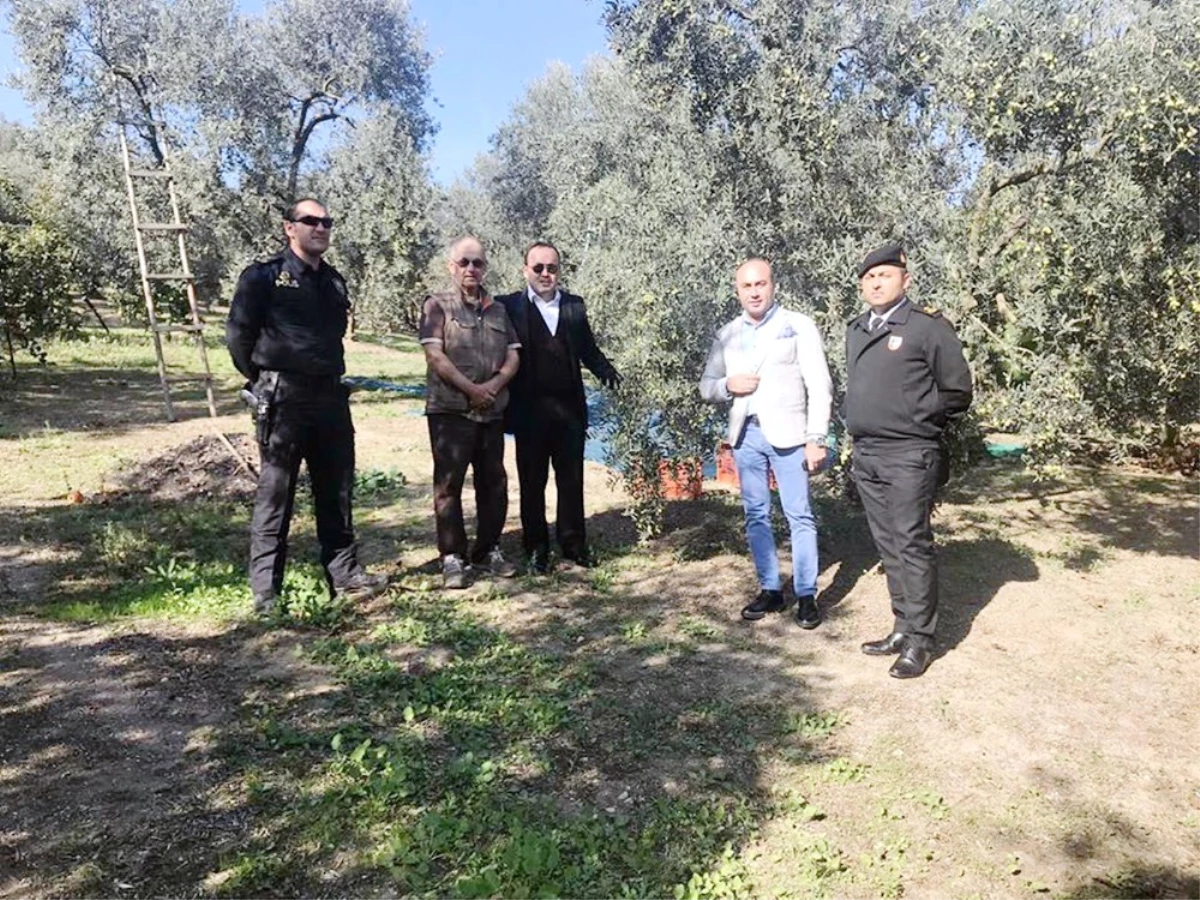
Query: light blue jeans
point(755, 458)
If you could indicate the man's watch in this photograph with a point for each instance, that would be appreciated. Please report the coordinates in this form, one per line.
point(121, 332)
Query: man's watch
point(817, 440)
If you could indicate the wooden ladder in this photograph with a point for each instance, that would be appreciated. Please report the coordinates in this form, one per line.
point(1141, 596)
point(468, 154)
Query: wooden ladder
point(177, 229)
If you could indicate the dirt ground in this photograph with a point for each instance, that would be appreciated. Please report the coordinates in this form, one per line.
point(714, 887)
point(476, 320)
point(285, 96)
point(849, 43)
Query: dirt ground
point(1057, 727)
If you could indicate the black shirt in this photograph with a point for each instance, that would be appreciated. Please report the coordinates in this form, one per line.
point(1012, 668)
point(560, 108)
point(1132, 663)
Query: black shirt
point(288, 317)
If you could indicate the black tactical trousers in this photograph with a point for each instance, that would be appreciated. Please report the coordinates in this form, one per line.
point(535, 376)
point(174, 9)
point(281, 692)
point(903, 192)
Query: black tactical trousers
point(309, 421)
point(552, 434)
point(898, 486)
point(458, 442)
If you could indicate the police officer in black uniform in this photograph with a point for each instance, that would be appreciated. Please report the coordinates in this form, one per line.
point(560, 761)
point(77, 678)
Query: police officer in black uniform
point(906, 380)
point(285, 329)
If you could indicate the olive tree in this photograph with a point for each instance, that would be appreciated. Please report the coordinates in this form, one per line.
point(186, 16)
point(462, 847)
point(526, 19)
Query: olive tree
point(256, 109)
point(1038, 159)
point(40, 276)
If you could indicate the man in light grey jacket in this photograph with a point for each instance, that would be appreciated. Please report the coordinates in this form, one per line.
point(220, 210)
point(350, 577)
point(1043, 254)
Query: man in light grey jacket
point(770, 363)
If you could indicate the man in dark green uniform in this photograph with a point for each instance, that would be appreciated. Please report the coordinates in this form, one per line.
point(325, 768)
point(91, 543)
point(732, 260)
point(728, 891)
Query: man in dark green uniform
point(286, 323)
point(906, 379)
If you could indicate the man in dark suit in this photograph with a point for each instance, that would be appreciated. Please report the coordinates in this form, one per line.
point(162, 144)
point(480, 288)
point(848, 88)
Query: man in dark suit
point(547, 412)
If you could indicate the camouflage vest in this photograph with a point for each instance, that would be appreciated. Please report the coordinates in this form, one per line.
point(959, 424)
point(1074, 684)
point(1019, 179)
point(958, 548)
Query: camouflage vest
point(476, 341)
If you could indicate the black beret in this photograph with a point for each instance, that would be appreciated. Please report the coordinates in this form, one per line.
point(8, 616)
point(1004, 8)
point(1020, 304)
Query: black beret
point(887, 255)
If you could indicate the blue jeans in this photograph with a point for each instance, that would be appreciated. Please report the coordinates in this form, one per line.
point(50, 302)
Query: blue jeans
point(755, 458)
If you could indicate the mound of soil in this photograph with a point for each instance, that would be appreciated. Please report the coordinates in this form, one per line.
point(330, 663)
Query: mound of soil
point(202, 468)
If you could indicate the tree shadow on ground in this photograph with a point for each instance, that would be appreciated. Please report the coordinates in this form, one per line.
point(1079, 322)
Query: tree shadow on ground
point(174, 762)
point(111, 786)
point(1096, 838)
point(1138, 881)
point(111, 400)
point(972, 570)
point(570, 735)
point(1162, 516)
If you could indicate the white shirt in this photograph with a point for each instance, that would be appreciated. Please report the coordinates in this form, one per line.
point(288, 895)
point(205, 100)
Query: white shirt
point(876, 319)
point(548, 308)
point(750, 332)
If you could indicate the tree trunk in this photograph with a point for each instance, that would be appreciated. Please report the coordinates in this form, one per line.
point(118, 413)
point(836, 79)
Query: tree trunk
point(96, 313)
point(12, 358)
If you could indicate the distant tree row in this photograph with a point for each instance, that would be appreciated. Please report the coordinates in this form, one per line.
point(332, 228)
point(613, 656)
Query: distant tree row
point(1039, 157)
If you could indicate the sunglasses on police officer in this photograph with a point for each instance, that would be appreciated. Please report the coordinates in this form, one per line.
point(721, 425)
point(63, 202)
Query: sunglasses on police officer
point(313, 221)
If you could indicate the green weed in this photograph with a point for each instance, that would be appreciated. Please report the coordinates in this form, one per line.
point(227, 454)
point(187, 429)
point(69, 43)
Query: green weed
point(602, 579)
point(814, 724)
point(441, 773)
point(697, 628)
point(378, 484)
point(124, 548)
point(305, 600)
point(177, 589)
point(935, 803)
point(634, 632)
point(843, 771)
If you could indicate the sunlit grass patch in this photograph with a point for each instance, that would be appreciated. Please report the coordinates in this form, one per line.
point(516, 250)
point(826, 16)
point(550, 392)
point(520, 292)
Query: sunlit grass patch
point(174, 590)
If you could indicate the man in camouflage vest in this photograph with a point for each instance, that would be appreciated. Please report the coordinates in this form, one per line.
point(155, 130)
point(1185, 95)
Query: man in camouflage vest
point(471, 352)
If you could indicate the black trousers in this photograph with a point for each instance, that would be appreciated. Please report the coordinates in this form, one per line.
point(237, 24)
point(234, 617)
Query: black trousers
point(552, 434)
point(898, 487)
point(309, 422)
point(457, 443)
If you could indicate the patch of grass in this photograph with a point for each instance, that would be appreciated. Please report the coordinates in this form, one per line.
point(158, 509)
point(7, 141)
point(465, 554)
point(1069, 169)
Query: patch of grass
point(305, 600)
point(887, 863)
point(246, 871)
point(124, 546)
point(138, 558)
point(448, 780)
point(378, 485)
point(602, 579)
point(697, 628)
point(844, 771)
point(934, 803)
point(174, 590)
point(634, 632)
point(403, 343)
point(814, 724)
point(1076, 555)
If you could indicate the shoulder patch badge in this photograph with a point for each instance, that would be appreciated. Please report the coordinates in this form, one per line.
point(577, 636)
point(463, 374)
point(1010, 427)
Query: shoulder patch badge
point(286, 279)
point(895, 342)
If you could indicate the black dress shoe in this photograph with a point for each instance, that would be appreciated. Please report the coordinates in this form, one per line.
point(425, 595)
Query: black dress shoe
point(583, 559)
point(808, 616)
point(913, 661)
point(889, 645)
point(539, 562)
point(765, 602)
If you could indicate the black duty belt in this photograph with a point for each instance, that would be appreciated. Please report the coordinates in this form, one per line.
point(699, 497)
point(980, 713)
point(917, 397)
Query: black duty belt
point(307, 380)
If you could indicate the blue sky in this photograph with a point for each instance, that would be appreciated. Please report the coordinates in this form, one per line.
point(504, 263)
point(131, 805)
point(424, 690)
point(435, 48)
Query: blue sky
point(487, 52)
